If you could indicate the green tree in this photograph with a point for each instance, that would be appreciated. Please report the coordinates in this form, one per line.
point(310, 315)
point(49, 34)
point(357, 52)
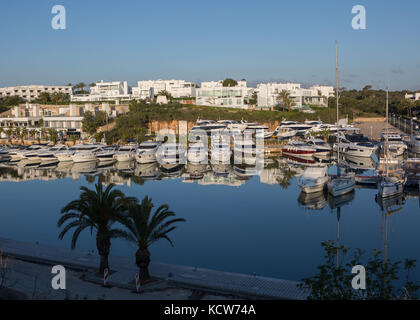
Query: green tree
point(230, 82)
point(334, 281)
point(96, 210)
point(284, 98)
point(165, 93)
point(44, 98)
point(53, 135)
point(9, 133)
point(22, 134)
point(145, 228)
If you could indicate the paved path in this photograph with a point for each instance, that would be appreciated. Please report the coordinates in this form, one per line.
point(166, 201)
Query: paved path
point(224, 283)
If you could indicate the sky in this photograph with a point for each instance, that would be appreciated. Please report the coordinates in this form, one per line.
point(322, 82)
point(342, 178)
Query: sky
point(266, 40)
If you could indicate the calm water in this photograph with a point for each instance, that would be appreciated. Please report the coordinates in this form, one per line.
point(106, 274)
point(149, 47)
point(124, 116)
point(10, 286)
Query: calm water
point(257, 224)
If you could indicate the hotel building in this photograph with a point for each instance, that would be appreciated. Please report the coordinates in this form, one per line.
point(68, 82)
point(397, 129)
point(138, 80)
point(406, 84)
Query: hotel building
point(268, 94)
point(215, 95)
point(32, 92)
point(106, 91)
point(177, 88)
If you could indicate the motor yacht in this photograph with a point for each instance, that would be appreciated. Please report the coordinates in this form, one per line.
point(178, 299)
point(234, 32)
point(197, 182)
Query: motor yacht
point(313, 179)
point(49, 155)
point(197, 153)
point(208, 126)
point(321, 147)
point(106, 155)
point(285, 133)
point(146, 152)
point(233, 125)
point(126, 153)
point(358, 149)
point(300, 128)
point(298, 148)
point(396, 146)
point(86, 153)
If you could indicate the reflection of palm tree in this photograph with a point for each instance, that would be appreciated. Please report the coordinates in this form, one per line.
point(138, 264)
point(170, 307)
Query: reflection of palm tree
point(144, 229)
point(95, 210)
point(284, 181)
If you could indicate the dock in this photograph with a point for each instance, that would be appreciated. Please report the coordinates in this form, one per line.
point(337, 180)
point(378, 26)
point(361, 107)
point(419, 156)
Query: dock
point(217, 282)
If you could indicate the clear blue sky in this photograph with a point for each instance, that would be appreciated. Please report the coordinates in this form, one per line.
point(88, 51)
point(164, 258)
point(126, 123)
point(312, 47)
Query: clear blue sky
point(210, 40)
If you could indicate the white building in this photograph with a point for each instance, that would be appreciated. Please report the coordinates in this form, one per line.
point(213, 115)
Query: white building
point(177, 88)
point(413, 96)
point(32, 92)
point(268, 94)
point(103, 91)
point(214, 94)
point(142, 93)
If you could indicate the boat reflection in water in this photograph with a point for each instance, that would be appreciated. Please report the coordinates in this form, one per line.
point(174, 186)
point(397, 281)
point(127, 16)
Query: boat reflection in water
point(389, 206)
point(312, 201)
point(148, 171)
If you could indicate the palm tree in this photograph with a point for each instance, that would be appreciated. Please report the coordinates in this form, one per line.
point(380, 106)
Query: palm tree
point(284, 97)
point(145, 229)
point(32, 133)
point(95, 210)
point(9, 133)
point(22, 135)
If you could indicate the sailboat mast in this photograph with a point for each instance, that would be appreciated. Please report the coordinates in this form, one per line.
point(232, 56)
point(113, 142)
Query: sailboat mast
point(336, 76)
point(336, 98)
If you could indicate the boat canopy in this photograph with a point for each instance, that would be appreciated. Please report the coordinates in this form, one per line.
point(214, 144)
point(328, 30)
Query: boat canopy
point(314, 172)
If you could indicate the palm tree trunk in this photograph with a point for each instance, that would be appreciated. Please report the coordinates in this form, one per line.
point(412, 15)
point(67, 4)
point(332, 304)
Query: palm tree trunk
point(143, 261)
point(103, 245)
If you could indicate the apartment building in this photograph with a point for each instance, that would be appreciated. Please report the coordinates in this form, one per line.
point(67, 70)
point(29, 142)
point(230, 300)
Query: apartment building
point(213, 93)
point(413, 96)
point(268, 94)
point(106, 91)
point(177, 88)
point(32, 92)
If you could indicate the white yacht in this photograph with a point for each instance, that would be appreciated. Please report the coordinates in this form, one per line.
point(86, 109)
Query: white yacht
point(107, 154)
point(313, 179)
point(146, 152)
point(126, 153)
point(25, 153)
point(396, 146)
point(285, 133)
point(358, 149)
point(197, 153)
point(208, 126)
point(298, 148)
point(32, 153)
point(233, 125)
point(50, 154)
point(220, 153)
point(301, 129)
point(321, 147)
point(171, 153)
point(86, 153)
